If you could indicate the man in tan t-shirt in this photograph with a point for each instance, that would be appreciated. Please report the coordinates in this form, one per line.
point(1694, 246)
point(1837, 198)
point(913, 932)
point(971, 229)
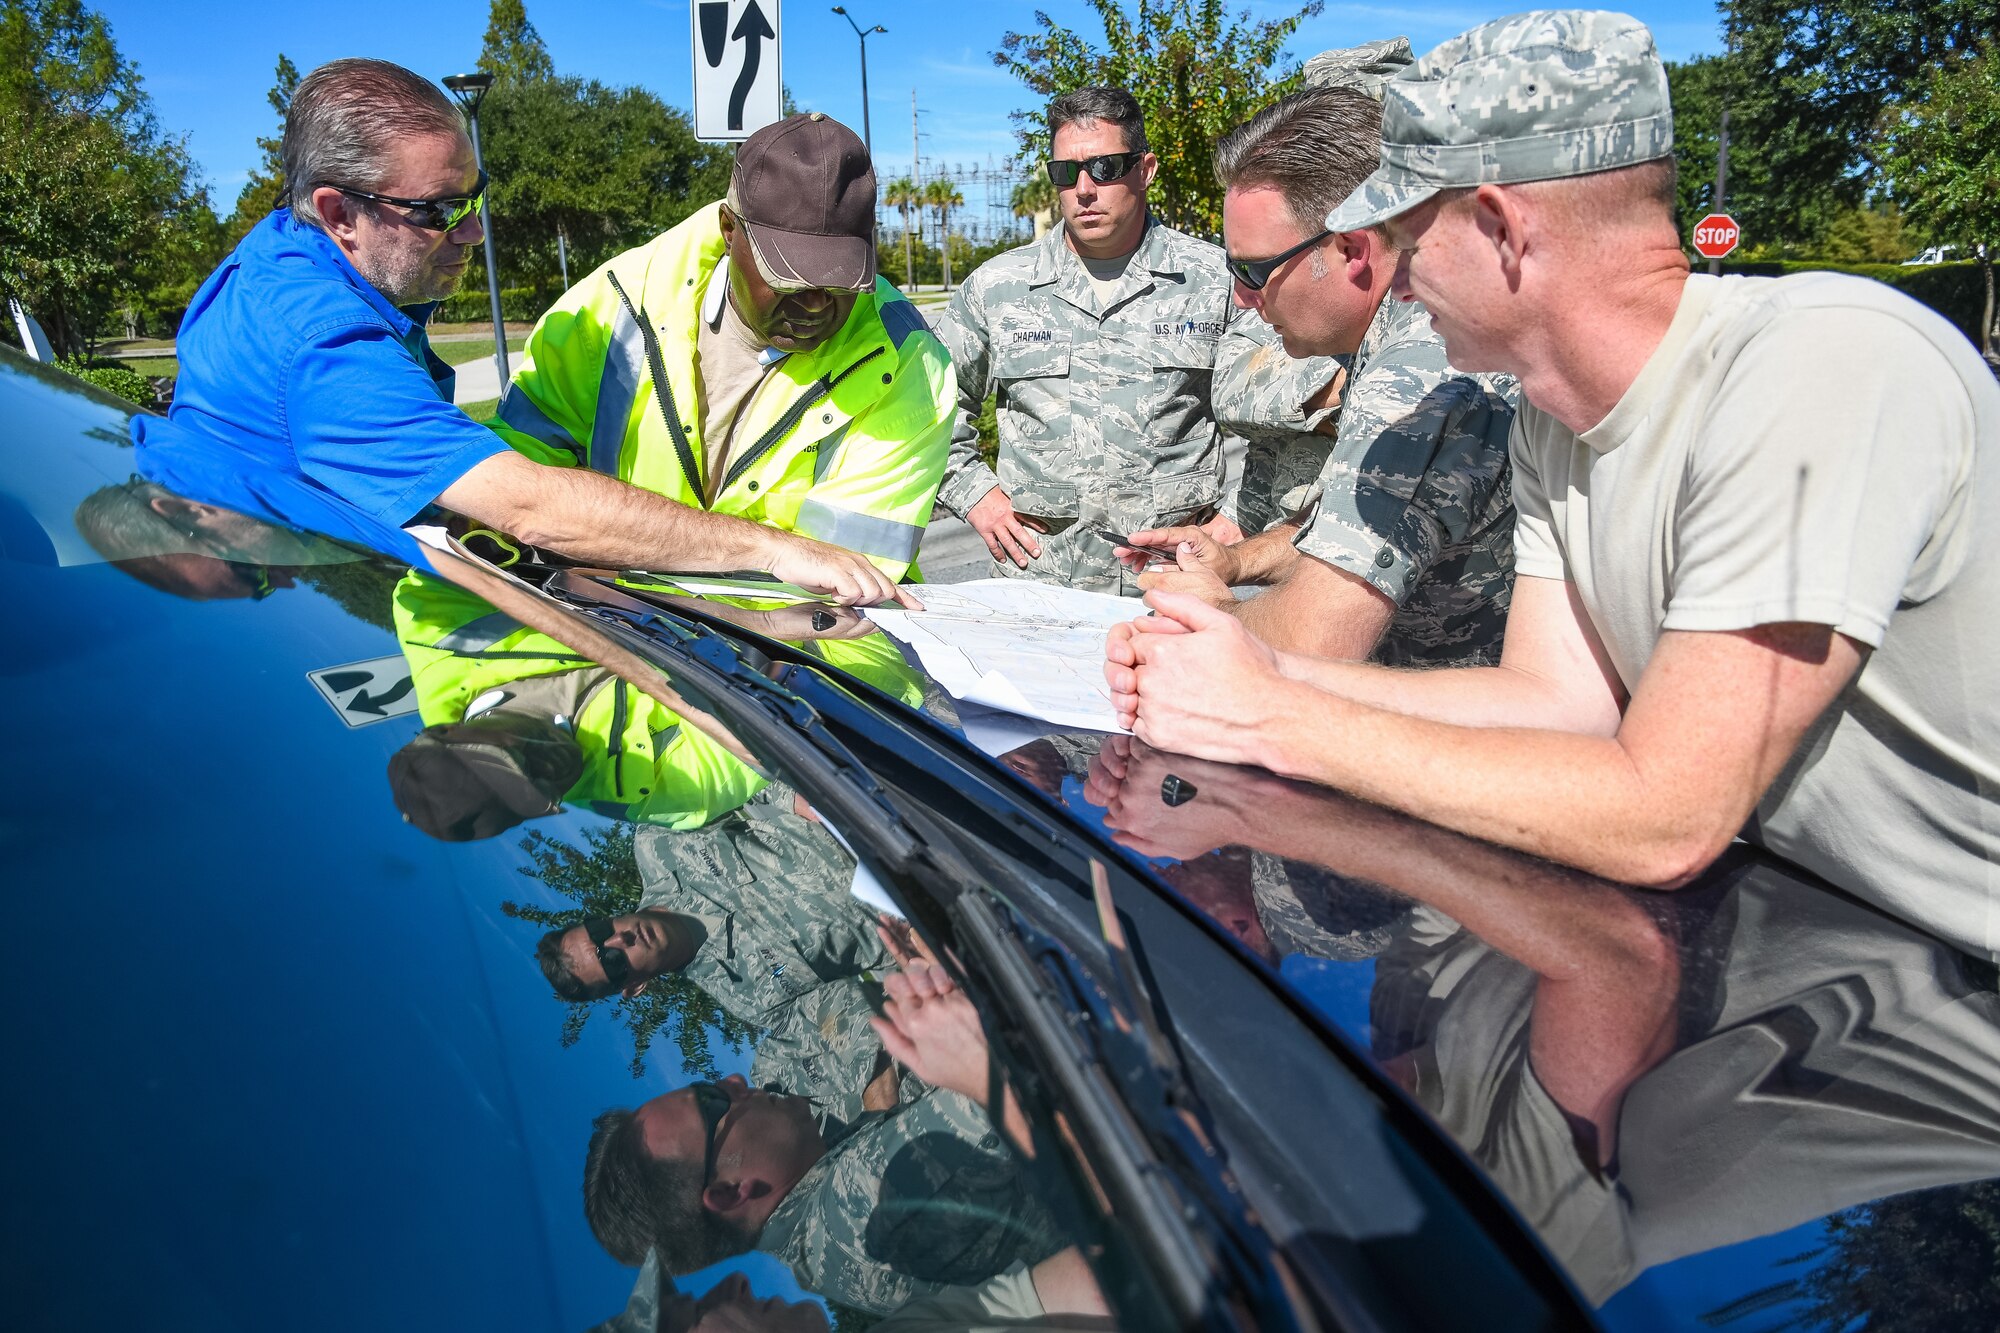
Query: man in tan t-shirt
point(1758, 547)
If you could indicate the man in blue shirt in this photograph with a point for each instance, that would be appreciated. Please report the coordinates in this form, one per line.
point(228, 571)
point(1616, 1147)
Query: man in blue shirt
point(305, 351)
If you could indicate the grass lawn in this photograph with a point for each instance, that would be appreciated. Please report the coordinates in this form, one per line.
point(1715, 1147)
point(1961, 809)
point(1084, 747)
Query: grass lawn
point(482, 410)
point(457, 354)
point(152, 366)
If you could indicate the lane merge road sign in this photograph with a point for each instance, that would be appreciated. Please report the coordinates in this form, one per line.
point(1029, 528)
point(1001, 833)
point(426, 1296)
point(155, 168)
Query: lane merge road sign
point(737, 87)
point(1716, 235)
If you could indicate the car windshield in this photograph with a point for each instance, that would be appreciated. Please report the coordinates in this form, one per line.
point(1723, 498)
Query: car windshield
point(539, 946)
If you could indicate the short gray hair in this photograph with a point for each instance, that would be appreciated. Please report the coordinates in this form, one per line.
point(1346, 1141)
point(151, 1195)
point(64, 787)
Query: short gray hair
point(1112, 106)
point(1313, 147)
point(344, 123)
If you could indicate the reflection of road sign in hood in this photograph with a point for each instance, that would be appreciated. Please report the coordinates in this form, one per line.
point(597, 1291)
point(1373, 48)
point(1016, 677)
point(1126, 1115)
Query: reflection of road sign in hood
point(846, 444)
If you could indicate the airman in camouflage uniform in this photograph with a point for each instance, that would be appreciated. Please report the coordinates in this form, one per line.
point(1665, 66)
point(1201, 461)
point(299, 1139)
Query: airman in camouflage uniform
point(1260, 391)
point(1416, 498)
point(1103, 407)
point(907, 1202)
point(787, 948)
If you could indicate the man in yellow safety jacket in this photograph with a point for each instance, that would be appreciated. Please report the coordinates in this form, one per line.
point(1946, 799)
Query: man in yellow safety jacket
point(750, 363)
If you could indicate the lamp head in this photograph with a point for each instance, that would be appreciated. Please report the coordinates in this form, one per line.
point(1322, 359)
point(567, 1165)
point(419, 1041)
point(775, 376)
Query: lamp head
point(471, 88)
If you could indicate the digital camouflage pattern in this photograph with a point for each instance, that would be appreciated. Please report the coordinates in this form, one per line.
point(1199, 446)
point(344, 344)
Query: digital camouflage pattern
point(1308, 909)
point(1260, 394)
point(1537, 96)
point(1367, 67)
point(1260, 391)
point(822, 1048)
point(908, 1202)
point(774, 890)
point(1103, 410)
point(1417, 496)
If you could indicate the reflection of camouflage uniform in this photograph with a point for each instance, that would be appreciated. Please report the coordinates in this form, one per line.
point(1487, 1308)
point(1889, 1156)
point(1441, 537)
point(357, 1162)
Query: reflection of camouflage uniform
point(1260, 394)
point(1416, 498)
point(789, 949)
point(1307, 909)
point(906, 1202)
point(1103, 411)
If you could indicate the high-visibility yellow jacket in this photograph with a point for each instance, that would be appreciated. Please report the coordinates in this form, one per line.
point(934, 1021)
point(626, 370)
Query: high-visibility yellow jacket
point(639, 762)
point(847, 445)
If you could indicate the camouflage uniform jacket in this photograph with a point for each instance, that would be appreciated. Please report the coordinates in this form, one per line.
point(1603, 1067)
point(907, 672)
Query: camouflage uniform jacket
point(908, 1202)
point(1260, 394)
point(1103, 410)
point(772, 889)
point(789, 949)
point(1417, 497)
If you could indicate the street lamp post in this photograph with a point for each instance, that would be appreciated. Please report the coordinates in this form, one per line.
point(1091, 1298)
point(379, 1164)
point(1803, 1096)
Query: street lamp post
point(864, 35)
point(470, 90)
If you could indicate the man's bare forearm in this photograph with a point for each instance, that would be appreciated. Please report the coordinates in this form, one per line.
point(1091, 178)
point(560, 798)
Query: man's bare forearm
point(599, 520)
point(1463, 696)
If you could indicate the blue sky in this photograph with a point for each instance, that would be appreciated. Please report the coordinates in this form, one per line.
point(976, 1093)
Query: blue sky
point(209, 67)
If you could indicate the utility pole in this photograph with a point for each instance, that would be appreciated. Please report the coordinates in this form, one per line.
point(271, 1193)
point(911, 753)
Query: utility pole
point(1721, 178)
point(562, 255)
point(908, 270)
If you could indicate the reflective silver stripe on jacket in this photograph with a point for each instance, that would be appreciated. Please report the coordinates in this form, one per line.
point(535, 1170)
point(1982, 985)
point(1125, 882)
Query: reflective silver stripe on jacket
point(479, 635)
point(624, 368)
point(525, 415)
point(859, 532)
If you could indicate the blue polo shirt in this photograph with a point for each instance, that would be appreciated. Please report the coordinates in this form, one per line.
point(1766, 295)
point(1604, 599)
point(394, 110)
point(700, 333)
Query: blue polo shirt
point(291, 357)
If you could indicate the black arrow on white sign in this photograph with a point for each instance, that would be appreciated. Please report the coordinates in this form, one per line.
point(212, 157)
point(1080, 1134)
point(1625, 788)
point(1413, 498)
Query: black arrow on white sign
point(376, 705)
point(752, 30)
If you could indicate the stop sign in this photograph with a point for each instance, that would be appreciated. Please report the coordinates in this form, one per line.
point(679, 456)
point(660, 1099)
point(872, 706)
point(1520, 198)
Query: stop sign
point(1716, 235)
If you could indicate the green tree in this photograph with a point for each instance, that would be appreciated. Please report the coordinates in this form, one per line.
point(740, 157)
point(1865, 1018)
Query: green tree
point(904, 195)
point(1811, 87)
point(1196, 69)
point(1943, 163)
point(602, 879)
point(100, 212)
point(943, 196)
point(265, 189)
point(606, 167)
point(1035, 200)
point(1927, 1262)
point(513, 49)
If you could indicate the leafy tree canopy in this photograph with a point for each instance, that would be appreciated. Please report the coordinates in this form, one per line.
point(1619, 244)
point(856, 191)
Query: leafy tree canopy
point(99, 211)
point(1196, 69)
point(607, 167)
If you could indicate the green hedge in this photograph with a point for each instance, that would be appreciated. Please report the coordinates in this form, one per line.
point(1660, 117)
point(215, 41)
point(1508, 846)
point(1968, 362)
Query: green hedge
point(473, 306)
point(127, 384)
point(1956, 291)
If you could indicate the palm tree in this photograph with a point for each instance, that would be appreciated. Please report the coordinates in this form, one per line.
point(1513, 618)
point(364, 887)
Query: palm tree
point(942, 195)
point(1035, 198)
point(903, 194)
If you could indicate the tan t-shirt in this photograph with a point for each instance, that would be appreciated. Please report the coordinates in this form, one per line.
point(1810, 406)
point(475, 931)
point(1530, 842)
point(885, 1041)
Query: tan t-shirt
point(1815, 448)
point(730, 367)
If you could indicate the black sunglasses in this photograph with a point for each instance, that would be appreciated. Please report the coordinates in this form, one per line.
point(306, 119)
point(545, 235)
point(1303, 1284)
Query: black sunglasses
point(617, 967)
point(1254, 273)
point(430, 214)
point(713, 1101)
point(1109, 167)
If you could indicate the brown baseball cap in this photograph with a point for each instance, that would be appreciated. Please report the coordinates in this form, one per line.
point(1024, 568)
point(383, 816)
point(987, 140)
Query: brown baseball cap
point(805, 193)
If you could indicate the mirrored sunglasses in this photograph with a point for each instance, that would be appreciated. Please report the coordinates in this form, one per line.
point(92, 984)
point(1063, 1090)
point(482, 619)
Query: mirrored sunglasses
point(1108, 167)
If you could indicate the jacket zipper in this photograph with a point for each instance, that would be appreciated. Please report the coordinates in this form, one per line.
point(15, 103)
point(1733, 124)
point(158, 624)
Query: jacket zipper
point(815, 391)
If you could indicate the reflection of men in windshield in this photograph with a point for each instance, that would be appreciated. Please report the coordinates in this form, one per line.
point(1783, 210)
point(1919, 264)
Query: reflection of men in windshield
point(189, 549)
point(755, 910)
point(895, 1204)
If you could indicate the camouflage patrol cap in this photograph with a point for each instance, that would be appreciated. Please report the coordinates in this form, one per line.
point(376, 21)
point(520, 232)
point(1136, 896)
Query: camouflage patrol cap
point(1366, 68)
point(1538, 96)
